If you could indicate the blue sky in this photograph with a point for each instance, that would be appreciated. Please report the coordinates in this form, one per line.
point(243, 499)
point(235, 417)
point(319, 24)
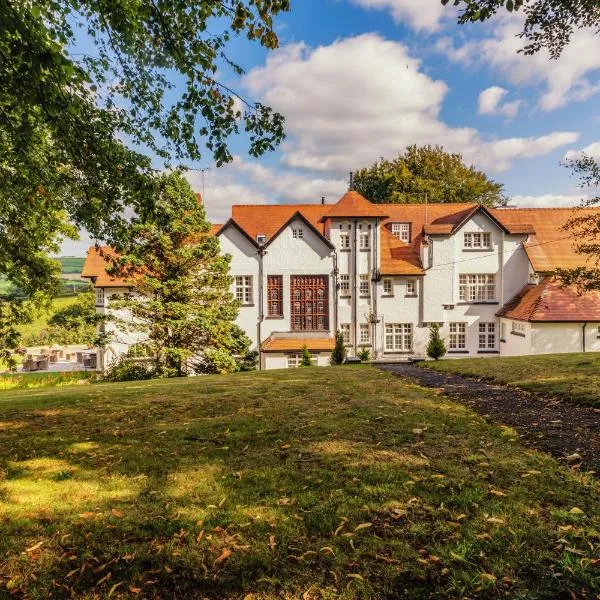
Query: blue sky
point(360, 79)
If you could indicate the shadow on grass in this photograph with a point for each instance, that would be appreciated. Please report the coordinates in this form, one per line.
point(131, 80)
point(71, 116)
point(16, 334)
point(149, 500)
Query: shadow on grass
point(330, 483)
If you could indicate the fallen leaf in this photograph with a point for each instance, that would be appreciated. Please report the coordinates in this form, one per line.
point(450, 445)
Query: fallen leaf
point(497, 492)
point(355, 576)
point(38, 545)
point(496, 520)
point(575, 511)
point(117, 513)
point(363, 526)
point(114, 587)
point(223, 556)
point(488, 577)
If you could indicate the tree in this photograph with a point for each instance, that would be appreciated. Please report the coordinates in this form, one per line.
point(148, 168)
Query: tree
point(78, 78)
point(338, 355)
point(548, 24)
point(306, 357)
point(436, 348)
point(180, 302)
point(584, 226)
point(427, 172)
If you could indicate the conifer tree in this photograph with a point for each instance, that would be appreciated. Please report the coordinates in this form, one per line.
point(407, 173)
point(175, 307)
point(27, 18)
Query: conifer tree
point(306, 357)
point(436, 348)
point(180, 297)
point(338, 355)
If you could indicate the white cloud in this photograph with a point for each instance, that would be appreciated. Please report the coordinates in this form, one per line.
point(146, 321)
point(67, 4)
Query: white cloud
point(573, 77)
point(360, 98)
point(592, 150)
point(422, 15)
point(547, 201)
point(490, 103)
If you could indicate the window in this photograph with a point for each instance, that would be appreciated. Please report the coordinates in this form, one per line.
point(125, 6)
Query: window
point(401, 231)
point(261, 238)
point(99, 296)
point(388, 287)
point(344, 241)
point(364, 241)
point(364, 287)
point(502, 331)
point(275, 295)
point(518, 328)
point(478, 240)
point(309, 299)
point(345, 329)
point(458, 336)
point(477, 287)
point(487, 336)
point(344, 285)
point(243, 289)
point(365, 333)
point(297, 234)
point(411, 287)
point(398, 337)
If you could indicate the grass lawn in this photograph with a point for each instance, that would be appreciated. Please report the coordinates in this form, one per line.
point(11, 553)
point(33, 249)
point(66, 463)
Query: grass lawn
point(41, 322)
point(22, 381)
point(573, 377)
point(340, 482)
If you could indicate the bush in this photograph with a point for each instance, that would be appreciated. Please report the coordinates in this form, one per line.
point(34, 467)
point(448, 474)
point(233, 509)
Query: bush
point(127, 369)
point(436, 348)
point(364, 354)
point(248, 361)
point(338, 356)
point(306, 358)
point(215, 361)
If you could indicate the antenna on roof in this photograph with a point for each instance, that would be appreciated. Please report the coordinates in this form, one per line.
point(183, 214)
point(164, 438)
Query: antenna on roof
point(351, 185)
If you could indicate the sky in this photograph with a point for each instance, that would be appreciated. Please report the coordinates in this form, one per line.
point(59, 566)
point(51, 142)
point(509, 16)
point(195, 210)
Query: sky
point(361, 79)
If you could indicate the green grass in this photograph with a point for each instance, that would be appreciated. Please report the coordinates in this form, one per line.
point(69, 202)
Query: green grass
point(41, 321)
point(573, 377)
point(307, 483)
point(70, 264)
point(27, 381)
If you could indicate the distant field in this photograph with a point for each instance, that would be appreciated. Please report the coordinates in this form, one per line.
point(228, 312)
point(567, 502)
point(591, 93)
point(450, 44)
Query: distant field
point(573, 377)
point(70, 264)
point(41, 321)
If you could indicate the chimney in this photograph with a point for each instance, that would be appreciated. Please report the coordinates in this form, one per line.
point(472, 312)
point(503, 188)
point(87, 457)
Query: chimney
point(322, 199)
point(351, 186)
point(198, 198)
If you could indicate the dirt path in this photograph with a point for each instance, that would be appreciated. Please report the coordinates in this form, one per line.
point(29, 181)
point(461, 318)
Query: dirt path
point(550, 425)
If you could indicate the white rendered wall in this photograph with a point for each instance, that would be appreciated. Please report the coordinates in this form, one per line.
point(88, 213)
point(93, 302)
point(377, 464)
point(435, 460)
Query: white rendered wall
point(515, 344)
point(551, 338)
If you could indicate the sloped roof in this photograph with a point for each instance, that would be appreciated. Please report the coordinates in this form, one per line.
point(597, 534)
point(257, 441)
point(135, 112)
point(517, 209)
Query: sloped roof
point(550, 302)
point(352, 204)
point(96, 262)
point(551, 246)
point(397, 257)
point(276, 344)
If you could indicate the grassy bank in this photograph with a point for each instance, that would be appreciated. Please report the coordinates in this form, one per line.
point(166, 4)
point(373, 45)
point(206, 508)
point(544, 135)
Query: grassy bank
point(313, 483)
point(573, 377)
point(28, 381)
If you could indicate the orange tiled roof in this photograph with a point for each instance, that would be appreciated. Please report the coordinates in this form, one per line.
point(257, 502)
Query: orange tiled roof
point(548, 301)
point(96, 262)
point(550, 247)
point(397, 257)
point(352, 204)
point(296, 344)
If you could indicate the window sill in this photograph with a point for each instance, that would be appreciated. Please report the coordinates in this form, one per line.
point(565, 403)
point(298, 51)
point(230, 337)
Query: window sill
point(490, 302)
point(488, 351)
point(365, 297)
point(247, 305)
point(345, 296)
point(365, 345)
point(517, 334)
point(458, 351)
point(365, 249)
point(344, 249)
point(274, 317)
point(398, 352)
point(478, 249)
point(411, 295)
point(503, 340)
point(387, 295)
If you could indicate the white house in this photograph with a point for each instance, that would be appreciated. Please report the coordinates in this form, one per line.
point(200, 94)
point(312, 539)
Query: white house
point(383, 273)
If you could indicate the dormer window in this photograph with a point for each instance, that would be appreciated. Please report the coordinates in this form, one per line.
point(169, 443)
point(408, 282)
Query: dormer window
point(344, 241)
point(401, 231)
point(364, 241)
point(261, 238)
point(478, 240)
point(297, 234)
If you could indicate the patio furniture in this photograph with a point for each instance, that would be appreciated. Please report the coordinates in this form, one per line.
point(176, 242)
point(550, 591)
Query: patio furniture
point(29, 365)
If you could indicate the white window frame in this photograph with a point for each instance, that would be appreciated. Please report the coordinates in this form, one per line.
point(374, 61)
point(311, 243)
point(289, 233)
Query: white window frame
point(477, 287)
point(477, 240)
point(294, 361)
point(345, 241)
point(244, 292)
point(487, 335)
point(365, 241)
point(345, 286)
point(518, 327)
point(388, 286)
point(398, 337)
point(298, 234)
point(401, 231)
point(364, 286)
point(365, 333)
point(100, 296)
point(457, 338)
point(261, 238)
point(345, 331)
point(411, 287)
point(502, 330)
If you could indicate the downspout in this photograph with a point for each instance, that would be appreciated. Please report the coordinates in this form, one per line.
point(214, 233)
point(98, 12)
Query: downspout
point(355, 291)
point(261, 313)
point(583, 336)
point(375, 277)
point(336, 292)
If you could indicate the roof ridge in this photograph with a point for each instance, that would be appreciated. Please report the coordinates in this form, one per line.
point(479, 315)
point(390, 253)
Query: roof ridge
point(281, 205)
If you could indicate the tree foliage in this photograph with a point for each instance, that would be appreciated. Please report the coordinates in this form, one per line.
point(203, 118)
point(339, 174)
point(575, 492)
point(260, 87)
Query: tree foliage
point(306, 357)
point(338, 355)
point(427, 172)
point(548, 24)
point(181, 300)
point(436, 348)
point(585, 227)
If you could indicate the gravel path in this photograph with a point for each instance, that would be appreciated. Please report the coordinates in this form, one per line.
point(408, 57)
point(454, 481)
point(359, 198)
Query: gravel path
point(561, 429)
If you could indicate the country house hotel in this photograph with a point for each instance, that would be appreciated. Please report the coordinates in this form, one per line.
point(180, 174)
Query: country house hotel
point(383, 273)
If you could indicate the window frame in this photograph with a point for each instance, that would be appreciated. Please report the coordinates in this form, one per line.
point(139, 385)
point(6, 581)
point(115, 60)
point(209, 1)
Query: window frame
point(344, 241)
point(345, 291)
point(402, 228)
point(457, 335)
point(471, 286)
point(244, 290)
point(364, 284)
point(309, 302)
point(345, 331)
point(275, 284)
point(364, 340)
point(518, 328)
point(100, 297)
point(411, 283)
point(401, 336)
point(365, 241)
point(477, 240)
point(298, 233)
point(487, 335)
point(386, 281)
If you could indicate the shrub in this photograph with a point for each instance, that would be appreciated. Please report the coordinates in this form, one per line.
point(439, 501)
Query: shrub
point(215, 361)
point(248, 361)
point(306, 358)
point(364, 354)
point(436, 348)
point(338, 356)
point(126, 369)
